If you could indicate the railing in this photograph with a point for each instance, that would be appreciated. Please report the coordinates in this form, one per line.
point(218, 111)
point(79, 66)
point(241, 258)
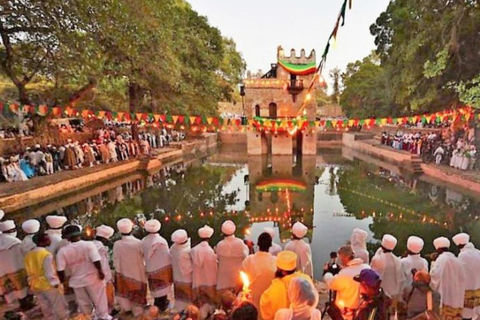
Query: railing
point(295, 84)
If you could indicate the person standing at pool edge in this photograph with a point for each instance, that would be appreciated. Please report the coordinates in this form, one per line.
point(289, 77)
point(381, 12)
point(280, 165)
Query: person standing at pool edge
point(301, 248)
point(414, 261)
point(182, 268)
point(231, 252)
point(102, 235)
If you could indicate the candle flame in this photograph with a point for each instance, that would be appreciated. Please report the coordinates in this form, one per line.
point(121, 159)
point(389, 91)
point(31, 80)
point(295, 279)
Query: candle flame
point(245, 280)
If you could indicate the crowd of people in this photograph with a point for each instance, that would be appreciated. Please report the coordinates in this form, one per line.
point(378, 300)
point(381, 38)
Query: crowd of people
point(140, 274)
point(107, 146)
point(454, 148)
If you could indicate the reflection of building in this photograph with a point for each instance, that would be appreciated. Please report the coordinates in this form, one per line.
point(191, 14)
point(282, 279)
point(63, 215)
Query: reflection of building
point(281, 101)
point(282, 191)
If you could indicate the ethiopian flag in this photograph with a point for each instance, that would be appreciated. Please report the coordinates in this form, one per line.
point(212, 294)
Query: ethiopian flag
point(280, 185)
point(298, 69)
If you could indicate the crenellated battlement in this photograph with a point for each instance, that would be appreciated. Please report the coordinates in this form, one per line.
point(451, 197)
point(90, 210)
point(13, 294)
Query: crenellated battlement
point(293, 58)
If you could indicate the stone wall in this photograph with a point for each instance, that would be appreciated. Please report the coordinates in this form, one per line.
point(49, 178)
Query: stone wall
point(233, 137)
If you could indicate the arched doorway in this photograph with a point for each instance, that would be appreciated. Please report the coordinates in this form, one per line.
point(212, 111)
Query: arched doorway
point(257, 110)
point(272, 110)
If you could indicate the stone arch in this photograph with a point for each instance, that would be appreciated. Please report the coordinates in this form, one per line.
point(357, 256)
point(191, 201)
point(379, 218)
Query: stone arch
point(257, 110)
point(272, 110)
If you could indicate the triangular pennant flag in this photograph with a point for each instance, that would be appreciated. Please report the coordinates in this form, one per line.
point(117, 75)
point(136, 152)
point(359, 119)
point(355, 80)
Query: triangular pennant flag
point(85, 113)
point(198, 120)
point(101, 114)
point(42, 110)
point(192, 119)
point(209, 120)
point(120, 115)
point(139, 116)
point(361, 122)
point(174, 119)
point(384, 121)
point(351, 122)
point(14, 107)
point(169, 118)
point(181, 119)
point(467, 116)
point(334, 123)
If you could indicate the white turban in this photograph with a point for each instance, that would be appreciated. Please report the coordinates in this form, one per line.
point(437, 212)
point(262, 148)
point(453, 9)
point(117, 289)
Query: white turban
point(389, 242)
point(415, 244)
point(104, 231)
point(179, 236)
point(461, 239)
point(125, 225)
point(358, 239)
point(153, 226)
point(56, 222)
point(441, 242)
point(205, 233)
point(299, 230)
point(7, 225)
point(31, 226)
point(228, 228)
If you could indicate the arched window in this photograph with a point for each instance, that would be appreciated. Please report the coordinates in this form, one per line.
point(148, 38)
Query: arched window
point(257, 110)
point(272, 110)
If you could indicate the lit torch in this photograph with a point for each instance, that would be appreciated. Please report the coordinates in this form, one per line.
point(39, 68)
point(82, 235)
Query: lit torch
point(246, 292)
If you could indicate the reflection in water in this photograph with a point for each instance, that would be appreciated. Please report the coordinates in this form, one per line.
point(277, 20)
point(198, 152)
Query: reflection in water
point(329, 194)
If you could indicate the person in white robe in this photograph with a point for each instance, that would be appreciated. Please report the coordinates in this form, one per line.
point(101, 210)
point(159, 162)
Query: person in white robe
point(83, 261)
point(301, 248)
point(275, 249)
point(260, 268)
point(113, 151)
point(102, 235)
point(54, 231)
point(358, 241)
point(389, 267)
point(130, 277)
point(30, 227)
point(303, 299)
point(470, 257)
point(448, 279)
point(231, 251)
point(13, 277)
point(158, 264)
point(438, 154)
point(413, 262)
point(182, 269)
point(205, 267)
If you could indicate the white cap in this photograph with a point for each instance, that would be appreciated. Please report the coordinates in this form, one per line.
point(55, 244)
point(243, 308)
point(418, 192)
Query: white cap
point(441, 242)
point(270, 231)
point(56, 222)
point(299, 230)
point(104, 231)
point(7, 225)
point(37, 146)
point(153, 226)
point(69, 140)
point(31, 226)
point(461, 239)
point(2, 214)
point(389, 242)
point(125, 225)
point(415, 244)
point(228, 228)
point(205, 233)
point(179, 236)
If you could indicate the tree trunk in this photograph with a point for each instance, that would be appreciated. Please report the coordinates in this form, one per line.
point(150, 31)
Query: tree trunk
point(22, 93)
point(135, 96)
point(77, 96)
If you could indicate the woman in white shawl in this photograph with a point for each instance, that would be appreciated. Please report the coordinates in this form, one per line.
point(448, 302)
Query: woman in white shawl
point(303, 302)
point(358, 241)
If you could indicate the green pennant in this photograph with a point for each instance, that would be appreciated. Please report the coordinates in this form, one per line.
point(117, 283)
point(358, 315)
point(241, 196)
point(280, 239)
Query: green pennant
point(361, 122)
point(424, 119)
point(169, 118)
point(204, 120)
point(311, 123)
point(378, 121)
point(328, 124)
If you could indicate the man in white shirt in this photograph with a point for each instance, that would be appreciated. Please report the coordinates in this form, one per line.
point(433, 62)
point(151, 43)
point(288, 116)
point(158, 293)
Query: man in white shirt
point(389, 267)
point(470, 257)
point(230, 252)
point(301, 248)
point(130, 277)
point(260, 268)
point(448, 279)
point(182, 269)
point(205, 267)
point(348, 290)
point(275, 249)
point(102, 235)
point(414, 262)
point(158, 264)
point(83, 261)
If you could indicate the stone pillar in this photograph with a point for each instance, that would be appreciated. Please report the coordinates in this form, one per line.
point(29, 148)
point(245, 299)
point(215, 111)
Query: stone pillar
point(309, 142)
point(282, 144)
point(256, 144)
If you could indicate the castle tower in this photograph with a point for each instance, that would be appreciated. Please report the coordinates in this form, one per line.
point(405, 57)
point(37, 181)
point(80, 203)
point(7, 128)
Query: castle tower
point(279, 98)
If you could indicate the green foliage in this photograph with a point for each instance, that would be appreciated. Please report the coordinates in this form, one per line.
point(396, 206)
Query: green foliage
point(469, 92)
point(335, 74)
point(154, 55)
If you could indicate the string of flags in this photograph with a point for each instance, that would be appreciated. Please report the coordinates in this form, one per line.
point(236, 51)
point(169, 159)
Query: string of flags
point(290, 125)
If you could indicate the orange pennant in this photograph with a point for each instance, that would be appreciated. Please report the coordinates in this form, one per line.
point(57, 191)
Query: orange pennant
point(175, 119)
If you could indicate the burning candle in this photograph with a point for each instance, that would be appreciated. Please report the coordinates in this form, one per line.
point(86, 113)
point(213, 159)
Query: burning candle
point(246, 286)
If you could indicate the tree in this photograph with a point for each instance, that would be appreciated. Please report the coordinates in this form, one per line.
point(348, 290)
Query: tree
point(335, 75)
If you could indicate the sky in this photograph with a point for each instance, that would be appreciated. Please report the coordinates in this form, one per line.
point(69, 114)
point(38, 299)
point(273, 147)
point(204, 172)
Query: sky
point(259, 26)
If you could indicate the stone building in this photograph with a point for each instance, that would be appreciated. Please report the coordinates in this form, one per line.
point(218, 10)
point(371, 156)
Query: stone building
point(282, 93)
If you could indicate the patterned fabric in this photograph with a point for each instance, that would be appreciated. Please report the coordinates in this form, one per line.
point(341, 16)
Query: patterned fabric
point(472, 299)
point(449, 313)
point(110, 289)
point(131, 289)
point(183, 291)
point(208, 293)
point(160, 279)
point(13, 282)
